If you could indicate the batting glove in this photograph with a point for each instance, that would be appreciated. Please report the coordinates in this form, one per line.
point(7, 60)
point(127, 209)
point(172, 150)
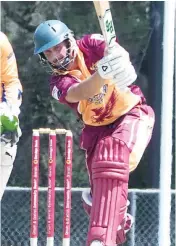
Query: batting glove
point(116, 65)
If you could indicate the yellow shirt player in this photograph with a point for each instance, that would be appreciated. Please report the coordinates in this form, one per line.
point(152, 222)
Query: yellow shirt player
point(10, 101)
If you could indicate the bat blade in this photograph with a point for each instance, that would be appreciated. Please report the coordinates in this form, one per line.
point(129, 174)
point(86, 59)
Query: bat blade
point(105, 19)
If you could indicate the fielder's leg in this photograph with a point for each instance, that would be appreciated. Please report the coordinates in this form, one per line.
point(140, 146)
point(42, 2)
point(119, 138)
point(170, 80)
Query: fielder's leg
point(8, 154)
point(110, 174)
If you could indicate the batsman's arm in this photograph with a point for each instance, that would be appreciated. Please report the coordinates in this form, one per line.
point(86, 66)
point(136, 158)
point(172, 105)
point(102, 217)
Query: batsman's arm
point(85, 89)
point(109, 67)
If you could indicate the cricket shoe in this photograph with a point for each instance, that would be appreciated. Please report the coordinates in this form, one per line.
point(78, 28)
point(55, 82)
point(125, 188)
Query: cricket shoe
point(96, 243)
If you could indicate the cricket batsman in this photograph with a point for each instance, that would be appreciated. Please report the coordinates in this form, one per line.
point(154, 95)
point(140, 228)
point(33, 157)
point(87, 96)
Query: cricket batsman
point(118, 123)
point(10, 101)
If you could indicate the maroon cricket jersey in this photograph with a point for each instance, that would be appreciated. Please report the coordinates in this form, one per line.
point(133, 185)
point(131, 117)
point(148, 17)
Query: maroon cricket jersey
point(106, 106)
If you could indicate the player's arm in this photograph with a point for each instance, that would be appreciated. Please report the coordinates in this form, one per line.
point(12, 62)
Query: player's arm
point(10, 80)
point(92, 85)
point(115, 66)
point(12, 89)
point(85, 89)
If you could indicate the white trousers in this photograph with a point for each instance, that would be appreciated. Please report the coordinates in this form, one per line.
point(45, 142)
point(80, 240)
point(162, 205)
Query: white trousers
point(8, 154)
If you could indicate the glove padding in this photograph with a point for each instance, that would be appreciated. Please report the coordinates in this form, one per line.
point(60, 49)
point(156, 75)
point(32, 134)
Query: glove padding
point(116, 65)
point(8, 119)
point(11, 137)
point(125, 78)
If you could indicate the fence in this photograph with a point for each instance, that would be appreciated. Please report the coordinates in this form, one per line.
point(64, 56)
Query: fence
point(15, 218)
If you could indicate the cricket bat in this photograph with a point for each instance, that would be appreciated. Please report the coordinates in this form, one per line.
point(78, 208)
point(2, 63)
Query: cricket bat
point(106, 23)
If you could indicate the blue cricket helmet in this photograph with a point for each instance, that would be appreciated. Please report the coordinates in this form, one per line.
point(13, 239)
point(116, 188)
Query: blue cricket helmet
point(49, 34)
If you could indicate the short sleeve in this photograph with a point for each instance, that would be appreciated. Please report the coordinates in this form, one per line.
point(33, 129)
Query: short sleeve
point(93, 45)
point(93, 42)
point(59, 86)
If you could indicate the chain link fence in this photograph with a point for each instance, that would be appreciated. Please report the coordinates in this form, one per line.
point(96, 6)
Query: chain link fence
point(15, 218)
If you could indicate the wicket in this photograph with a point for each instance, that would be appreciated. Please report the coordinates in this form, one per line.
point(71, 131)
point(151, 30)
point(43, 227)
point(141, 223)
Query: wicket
point(51, 185)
